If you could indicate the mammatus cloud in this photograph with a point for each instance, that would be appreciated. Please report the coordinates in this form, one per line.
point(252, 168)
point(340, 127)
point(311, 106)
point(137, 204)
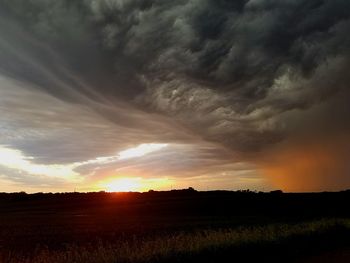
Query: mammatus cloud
point(222, 82)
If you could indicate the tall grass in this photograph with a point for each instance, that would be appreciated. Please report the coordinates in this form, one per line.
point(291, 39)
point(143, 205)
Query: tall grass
point(159, 249)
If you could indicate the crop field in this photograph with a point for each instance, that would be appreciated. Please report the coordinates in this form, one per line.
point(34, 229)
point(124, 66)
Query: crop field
point(178, 226)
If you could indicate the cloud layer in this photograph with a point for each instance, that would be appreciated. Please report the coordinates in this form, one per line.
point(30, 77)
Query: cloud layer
point(223, 82)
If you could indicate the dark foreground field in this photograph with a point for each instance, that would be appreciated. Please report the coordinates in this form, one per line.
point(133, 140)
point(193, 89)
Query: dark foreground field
point(176, 226)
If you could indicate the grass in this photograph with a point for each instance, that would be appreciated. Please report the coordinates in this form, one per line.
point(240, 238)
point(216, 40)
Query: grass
point(184, 247)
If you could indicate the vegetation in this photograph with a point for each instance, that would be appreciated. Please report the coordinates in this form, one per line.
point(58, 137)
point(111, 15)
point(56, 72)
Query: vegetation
point(175, 226)
point(187, 246)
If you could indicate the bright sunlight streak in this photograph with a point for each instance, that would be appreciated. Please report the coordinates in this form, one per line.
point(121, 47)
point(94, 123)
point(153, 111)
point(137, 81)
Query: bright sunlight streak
point(141, 150)
point(15, 159)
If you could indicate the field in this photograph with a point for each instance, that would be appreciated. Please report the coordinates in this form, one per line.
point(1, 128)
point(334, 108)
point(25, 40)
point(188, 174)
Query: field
point(175, 226)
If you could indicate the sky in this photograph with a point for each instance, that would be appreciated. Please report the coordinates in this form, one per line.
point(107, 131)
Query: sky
point(132, 95)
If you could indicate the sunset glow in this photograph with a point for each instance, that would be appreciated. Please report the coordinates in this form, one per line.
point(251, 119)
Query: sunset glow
point(123, 185)
point(134, 184)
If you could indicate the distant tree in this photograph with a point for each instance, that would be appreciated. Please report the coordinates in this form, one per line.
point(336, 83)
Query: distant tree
point(276, 192)
point(245, 191)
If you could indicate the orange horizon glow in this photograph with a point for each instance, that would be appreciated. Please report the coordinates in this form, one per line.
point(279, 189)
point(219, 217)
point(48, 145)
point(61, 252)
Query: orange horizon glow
point(313, 165)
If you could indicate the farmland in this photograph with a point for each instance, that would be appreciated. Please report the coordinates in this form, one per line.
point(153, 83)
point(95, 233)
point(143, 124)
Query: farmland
point(174, 226)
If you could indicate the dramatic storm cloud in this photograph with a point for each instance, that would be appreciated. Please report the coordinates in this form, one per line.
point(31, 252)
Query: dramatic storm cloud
point(241, 94)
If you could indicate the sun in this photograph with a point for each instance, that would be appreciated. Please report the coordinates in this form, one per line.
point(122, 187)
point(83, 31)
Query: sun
point(123, 185)
point(134, 184)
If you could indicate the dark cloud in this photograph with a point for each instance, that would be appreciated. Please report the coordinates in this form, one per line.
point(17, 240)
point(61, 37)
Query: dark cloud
point(244, 75)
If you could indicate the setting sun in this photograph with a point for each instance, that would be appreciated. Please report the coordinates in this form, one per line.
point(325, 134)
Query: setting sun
point(134, 184)
point(123, 185)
